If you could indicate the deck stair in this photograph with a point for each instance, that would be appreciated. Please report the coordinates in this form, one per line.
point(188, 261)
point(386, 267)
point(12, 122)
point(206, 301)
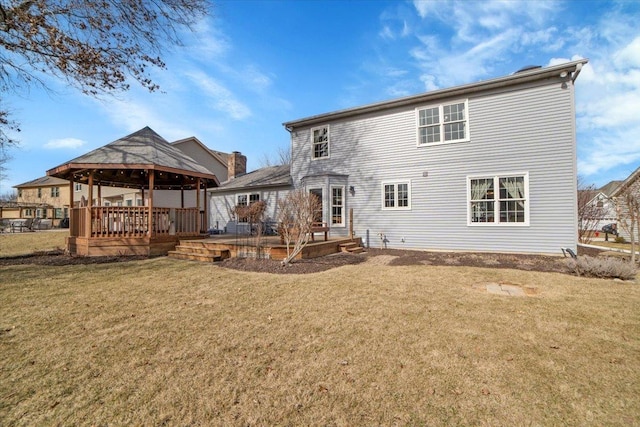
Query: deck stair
point(197, 250)
point(351, 247)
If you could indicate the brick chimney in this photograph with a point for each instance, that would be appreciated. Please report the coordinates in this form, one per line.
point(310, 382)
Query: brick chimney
point(236, 165)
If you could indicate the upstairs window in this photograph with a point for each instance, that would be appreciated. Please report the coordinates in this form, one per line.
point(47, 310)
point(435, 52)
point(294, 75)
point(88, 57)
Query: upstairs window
point(78, 186)
point(499, 200)
point(39, 193)
point(55, 191)
point(320, 145)
point(443, 123)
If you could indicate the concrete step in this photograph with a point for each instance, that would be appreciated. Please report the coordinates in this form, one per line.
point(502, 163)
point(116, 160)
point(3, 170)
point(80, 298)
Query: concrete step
point(194, 257)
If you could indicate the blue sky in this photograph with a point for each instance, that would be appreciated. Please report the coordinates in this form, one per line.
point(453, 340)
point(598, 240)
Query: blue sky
point(253, 65)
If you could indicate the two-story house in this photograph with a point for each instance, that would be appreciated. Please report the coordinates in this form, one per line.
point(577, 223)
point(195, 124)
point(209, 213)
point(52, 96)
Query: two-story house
point(486, 166)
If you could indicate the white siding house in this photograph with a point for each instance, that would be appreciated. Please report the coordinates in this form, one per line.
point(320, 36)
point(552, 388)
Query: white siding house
point(268, 184)
point(488, 166)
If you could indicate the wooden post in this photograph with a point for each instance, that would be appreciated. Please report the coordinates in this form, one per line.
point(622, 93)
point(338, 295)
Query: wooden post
point(204, 209)
point(72, 188)
point(152, 174)
point(198, 205)
point(99, 195)
point(89, 223)
point(351, 223)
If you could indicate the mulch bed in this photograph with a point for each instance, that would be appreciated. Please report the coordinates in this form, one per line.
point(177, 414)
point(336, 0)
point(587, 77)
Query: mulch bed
point(396, 257)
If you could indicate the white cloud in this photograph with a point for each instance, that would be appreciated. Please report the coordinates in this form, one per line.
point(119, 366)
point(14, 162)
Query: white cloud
point(221, 98)
point(64, 143)
point(628, 56)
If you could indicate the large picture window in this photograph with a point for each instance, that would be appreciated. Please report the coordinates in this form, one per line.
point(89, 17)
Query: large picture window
point(499, 199)
point(443, 123)
point(320, 146)
point(396, 195)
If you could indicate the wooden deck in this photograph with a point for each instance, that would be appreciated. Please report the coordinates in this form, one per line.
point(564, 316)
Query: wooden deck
point(244, 247)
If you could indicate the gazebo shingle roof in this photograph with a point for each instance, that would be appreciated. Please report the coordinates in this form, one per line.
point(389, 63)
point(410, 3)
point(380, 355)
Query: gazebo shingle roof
point(143, 150)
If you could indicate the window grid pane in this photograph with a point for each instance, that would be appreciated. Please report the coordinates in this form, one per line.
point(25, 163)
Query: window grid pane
point(336, 205)
point(403, 195)
point(389, 196)
point(453, 131)
point(321, 142)
point(429, 116)
point(482, 211)
point(453, 113)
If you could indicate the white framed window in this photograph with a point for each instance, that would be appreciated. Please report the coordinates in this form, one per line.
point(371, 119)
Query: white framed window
point(396, 195)
point(443, 124)
point(498, 200)
point(139, 202)
point(337, 206)
point(55, 191)
point(243, 200)
point(129, 202)
point(320, 142)
point(78, 186)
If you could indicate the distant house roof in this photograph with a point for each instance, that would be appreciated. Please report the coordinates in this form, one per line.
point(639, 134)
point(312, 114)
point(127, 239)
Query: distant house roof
point(272, 176)
point(626, 183)
point(43, 181)
point(140, 151)
point(218, 155)
point(609, 188)
point(571, 69)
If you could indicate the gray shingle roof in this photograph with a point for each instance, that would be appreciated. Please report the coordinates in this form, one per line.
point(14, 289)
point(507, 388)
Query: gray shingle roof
point(144, 147)
point(273, 176)
point(43, 181)
point(610, 187)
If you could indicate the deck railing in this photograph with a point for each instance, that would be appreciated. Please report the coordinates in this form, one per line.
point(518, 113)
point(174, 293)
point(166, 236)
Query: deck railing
point(132, 221)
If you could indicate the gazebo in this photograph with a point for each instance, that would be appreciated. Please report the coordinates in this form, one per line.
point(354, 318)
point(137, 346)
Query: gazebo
point(144, 161)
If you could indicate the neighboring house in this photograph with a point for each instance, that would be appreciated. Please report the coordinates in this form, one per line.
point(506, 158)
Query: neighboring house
point(631, 185)
point(214, 161)
point(47, 197)
point(268, 184)
point(486, 166)
point(602, 203)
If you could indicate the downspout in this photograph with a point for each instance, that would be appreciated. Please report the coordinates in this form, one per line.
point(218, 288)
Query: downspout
point(576, 73)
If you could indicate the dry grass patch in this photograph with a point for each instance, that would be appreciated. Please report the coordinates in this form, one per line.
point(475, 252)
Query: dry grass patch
point(166, 342)
point(12, 244)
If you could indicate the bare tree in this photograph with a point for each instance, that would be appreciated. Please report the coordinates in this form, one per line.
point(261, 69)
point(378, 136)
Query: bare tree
point(628, 212)
point(254, 214)
point(296, 215)
point(96, 46)
point(282, 156)
point(589, 213)
point(9, 196)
